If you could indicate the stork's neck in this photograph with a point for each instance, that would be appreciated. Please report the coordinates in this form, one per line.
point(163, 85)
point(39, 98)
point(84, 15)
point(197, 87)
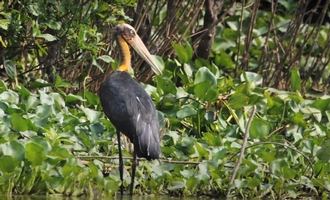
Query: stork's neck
point(125, 63)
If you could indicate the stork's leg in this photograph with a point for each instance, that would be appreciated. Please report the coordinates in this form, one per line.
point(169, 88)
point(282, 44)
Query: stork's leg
point(121, 166)
point(134, 163)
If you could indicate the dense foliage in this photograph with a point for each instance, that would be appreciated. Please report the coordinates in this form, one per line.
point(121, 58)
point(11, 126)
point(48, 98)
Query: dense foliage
point(55, 139)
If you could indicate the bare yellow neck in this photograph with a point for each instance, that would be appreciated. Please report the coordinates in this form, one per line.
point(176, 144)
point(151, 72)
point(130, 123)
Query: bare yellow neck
point(125, 63)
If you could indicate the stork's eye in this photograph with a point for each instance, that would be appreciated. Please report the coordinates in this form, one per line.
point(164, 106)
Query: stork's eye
point(131, 32)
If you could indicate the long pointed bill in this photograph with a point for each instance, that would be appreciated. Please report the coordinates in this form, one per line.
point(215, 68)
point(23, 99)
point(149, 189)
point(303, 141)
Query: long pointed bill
point(142, 50)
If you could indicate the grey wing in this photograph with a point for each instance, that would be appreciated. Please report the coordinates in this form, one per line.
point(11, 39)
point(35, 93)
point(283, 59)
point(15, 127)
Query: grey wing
point(145, 120)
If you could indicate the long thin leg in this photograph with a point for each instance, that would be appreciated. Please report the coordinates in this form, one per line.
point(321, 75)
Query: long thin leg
point(121, 166)
point(134, 163)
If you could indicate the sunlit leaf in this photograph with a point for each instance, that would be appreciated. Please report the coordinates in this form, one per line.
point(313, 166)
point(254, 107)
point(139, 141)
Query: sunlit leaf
point(48, 37)
point(35, 153)
point(106, 58)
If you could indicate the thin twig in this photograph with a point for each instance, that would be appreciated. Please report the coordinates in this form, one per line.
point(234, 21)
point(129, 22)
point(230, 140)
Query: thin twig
point(241, 156)
point(108, 158)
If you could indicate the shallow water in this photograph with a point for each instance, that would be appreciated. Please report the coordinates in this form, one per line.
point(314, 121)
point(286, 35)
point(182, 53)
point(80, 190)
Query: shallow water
point(124, 197)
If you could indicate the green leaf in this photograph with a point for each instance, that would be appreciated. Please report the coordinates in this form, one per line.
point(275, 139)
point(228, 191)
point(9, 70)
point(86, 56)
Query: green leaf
point(48, 37)
point(60, 153)
point(91, 115)
point(8, 164)
point(223, 59)
point(238, 100)
point(324, 153)
point(91, 98)
point(188, 70)
point(203, 174)
point(10, 68)
point(4, 24)
point(186, 111)
point(295, 79)
point(298, 118)
point(205, 84)
point(60, 83)
point(35, 153)
point(19, 123)
point(9, 97)
point(202, 151)
point(184, 52)
point(3, 86)
point(166, 85)
point(159, 62)
point(14, 149)
point(95, 63)
point(259, 128)
point(176, 185)
point(321, 104)
point(252, 77)
point(106, 59)
point(71, 98)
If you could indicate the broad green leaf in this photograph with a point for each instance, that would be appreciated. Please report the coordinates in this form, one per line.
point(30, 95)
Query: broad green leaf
point(91, 98)
point(202, 151)
point(238, 100)
point(8, 164)
point(20, 123)
point(252, 77)
point(14, 149)
point(9, 96)
point(91, 115)
point(60, 83)
point(186, 111)
point(166, 85)
point(324, 153)
point(184, 52)
point(35, 153)
point(321, 104)
point(298, 118)
point(205, 84)
point(223, 59)
point(203, 174)
point(205, 75)
point(176, 185)
point(60, 153)
point(259, 128)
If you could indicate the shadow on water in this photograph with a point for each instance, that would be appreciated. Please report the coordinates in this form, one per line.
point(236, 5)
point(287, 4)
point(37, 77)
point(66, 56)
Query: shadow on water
point(124, 197)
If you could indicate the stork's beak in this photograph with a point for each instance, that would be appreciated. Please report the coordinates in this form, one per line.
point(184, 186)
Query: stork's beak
point(142, 50)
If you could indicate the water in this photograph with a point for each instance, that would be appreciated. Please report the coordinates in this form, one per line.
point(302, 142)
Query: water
point(124, 197)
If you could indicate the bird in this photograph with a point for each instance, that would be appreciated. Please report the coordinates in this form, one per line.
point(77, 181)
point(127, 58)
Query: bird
point(128, 106)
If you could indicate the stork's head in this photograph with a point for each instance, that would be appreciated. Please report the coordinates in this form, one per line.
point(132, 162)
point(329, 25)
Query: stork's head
point(128, 33)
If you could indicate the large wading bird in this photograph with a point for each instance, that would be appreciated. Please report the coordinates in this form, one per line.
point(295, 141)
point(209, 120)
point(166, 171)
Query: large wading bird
point(128, 106)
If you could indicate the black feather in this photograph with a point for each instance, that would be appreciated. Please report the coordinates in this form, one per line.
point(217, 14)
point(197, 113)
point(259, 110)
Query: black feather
point(132, 112)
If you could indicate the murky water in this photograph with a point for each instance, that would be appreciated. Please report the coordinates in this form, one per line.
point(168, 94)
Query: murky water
point(124, 197)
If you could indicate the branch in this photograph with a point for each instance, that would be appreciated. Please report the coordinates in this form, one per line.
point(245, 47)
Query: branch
point(241, 156)
point(108, 158)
